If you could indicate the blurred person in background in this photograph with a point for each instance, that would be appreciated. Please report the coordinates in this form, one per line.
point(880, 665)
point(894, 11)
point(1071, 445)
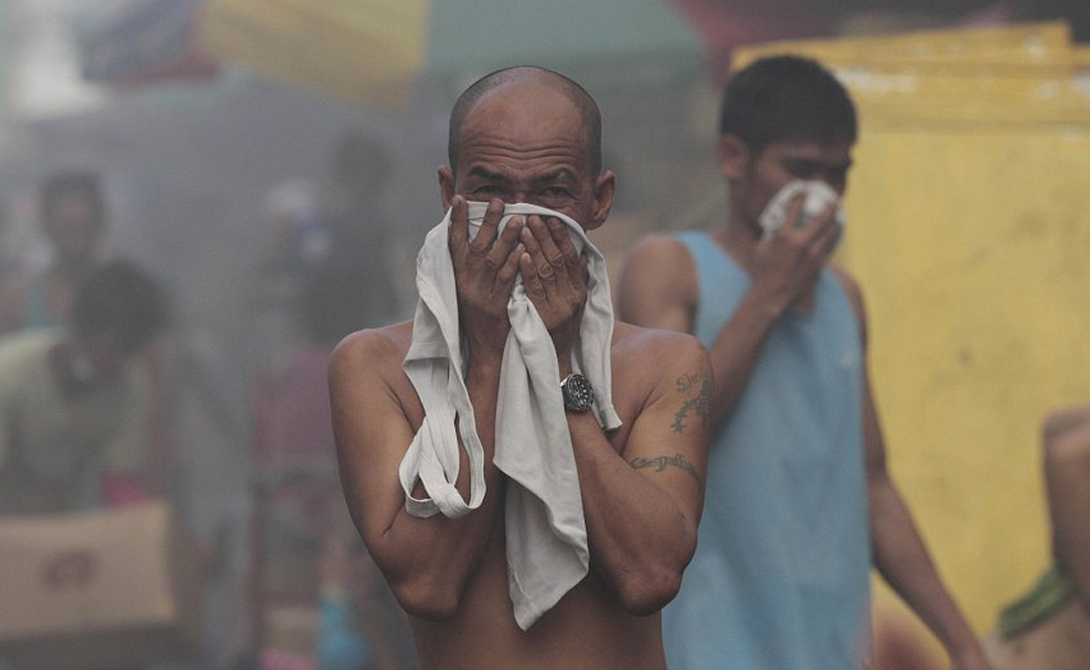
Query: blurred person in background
point(798, 492)
point(360, 229)
point(73, 415)
point(338, 224)
point(73, 219)
point(302, 555)
point(1049, 627)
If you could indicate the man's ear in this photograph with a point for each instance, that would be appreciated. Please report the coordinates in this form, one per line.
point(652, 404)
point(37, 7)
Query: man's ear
point(604, 188)
point(733, 157)
point(446, 186)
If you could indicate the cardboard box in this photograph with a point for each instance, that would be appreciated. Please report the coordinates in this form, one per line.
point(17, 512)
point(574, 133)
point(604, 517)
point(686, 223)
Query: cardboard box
point(97, 590)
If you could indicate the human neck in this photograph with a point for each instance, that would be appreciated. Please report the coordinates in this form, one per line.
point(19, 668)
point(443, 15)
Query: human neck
point(739, 237)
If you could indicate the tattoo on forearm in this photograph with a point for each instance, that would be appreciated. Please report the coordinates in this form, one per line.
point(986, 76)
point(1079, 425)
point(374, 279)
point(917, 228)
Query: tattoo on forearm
point(660, 463)
point(698, 386)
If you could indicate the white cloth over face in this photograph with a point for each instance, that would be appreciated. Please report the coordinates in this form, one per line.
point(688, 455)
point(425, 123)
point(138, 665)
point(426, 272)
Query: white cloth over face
point(818, 196)
point(546, 534)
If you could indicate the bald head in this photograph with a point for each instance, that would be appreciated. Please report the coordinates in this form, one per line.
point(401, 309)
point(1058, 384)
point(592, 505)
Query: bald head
point(580, 100)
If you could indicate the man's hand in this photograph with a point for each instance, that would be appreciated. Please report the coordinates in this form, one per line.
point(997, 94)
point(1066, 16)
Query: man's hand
point(786, 263)
point(484, 272)
point(554, 275)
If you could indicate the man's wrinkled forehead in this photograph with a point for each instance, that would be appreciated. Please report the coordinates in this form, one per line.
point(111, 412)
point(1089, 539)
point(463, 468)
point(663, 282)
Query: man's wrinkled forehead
point(529, 113)
point(525, 112)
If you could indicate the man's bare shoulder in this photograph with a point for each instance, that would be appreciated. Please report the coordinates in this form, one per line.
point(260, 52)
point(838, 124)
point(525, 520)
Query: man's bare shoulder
point(656, 355)
point(659, 248)
point(372, 353)
point(659, 269)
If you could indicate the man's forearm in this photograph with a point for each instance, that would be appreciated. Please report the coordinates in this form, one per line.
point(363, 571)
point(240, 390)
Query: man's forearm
point(736, 351)
point(640, 540)
point(902, 559)
point(436, 556)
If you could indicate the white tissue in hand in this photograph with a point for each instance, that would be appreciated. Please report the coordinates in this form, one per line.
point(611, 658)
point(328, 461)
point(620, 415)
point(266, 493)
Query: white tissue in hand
point(819, 195)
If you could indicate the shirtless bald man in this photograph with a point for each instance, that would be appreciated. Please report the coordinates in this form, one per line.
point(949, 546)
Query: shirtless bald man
point(526, 135)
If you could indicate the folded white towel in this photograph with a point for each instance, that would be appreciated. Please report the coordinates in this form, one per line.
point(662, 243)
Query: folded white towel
point(546, 534)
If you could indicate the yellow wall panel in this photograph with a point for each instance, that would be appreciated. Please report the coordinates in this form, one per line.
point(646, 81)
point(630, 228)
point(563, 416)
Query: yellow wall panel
point(364, 51)
point(973, 253)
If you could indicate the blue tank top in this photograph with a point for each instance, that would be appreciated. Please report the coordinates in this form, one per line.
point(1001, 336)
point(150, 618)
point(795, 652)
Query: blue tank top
point(780, 579)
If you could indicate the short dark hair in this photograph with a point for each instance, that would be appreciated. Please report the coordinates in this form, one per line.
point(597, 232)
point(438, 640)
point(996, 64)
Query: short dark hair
point(583, 102)
point(784, 98)
point(121, 300)
point(83, 183)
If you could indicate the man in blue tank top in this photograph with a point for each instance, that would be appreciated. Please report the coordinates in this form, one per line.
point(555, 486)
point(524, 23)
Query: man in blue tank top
point(798, 495)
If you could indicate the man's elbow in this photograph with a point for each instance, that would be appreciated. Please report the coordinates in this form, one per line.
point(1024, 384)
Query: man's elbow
point(648, 591)
point(649, 588)
point(427, 598)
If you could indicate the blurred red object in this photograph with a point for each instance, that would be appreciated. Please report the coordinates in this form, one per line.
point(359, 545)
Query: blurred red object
point(151, 41)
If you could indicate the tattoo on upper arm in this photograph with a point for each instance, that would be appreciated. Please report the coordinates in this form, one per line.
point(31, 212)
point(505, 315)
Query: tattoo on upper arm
point(660, 463)
point(698, 387)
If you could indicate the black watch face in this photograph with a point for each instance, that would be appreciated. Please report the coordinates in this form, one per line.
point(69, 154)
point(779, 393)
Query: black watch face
point(578, 393)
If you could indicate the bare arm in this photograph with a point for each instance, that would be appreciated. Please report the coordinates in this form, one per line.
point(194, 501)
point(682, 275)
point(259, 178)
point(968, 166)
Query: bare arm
point(1064, 421)
point(642, 505)
point(1067, 476)
point(900, 554)
point(427, 561)
point(642, 514)
point(659, 289)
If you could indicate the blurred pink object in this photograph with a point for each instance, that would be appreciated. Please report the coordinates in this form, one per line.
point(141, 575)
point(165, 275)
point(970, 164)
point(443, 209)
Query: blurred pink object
point(119, 490)
point(273, 659)
point(298, 423)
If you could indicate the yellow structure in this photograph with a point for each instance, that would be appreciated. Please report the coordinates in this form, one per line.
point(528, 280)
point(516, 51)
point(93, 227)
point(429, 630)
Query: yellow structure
point(364, 52)
point(969, 230)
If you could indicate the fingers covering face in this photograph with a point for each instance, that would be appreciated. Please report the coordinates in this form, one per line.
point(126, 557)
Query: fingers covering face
point(530, 280)
point(508, 238)
point(539, 249)
point(459, 227)
point(482, 243)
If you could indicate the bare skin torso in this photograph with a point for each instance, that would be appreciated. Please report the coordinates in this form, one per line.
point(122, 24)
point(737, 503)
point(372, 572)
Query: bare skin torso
point(587, 628)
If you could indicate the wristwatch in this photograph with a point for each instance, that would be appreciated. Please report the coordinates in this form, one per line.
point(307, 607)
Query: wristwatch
point(578, 393)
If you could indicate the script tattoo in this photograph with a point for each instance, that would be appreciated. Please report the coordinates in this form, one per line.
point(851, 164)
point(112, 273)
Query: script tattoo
point(699, 383)
point(660, 463)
